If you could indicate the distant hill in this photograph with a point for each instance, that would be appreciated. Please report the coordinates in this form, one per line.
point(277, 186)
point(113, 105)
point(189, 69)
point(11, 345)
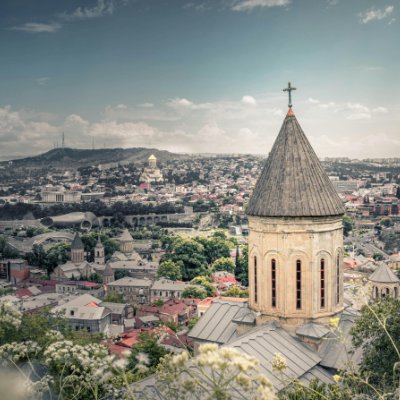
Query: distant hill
point(74, 158)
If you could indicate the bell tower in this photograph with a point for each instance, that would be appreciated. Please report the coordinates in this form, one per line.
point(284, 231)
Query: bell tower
point(295, 234)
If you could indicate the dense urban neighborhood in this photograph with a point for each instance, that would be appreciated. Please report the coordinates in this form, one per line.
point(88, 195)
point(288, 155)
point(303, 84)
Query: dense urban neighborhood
point(142, 258)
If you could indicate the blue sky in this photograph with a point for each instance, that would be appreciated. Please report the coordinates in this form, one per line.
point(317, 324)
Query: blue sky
point(199, 76)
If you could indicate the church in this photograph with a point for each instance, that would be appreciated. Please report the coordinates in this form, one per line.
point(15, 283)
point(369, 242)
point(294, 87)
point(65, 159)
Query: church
point(151, 173)
point(295, 270)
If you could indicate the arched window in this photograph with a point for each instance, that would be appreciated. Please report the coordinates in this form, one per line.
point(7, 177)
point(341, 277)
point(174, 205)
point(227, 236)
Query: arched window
point(255, 280)
point(338, 278)
point(298, 284)
point(322, 282)
point(273, 282)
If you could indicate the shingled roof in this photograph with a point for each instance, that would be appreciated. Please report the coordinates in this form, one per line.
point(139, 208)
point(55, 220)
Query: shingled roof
point(383, 274)
point(293, 182)
point(77, 243)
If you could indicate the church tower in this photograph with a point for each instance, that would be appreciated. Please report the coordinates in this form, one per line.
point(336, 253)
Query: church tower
point(77, 250)
point(99, 257)
point(295, 234)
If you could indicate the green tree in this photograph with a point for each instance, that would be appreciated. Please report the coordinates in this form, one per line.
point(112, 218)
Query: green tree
point(170, 270)
point(190, 254)
point(205, 282)
point(192, 292)
point(235, 291)
point(148, 344)
point(215, 248)
point(347, 225)
point(6, 250)
point(377, 256)
point(377, 333)
point(387, 222)
point(114, 297)
point(224, 264)
point(242, 274)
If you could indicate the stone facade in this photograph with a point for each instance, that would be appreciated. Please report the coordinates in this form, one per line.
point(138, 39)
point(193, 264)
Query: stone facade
point(313, 245)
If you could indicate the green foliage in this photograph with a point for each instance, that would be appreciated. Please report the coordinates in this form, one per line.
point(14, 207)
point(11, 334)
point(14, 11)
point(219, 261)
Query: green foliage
point(224, 264)
point(158, 303)
point(235, 291)
point(242, 268)
point(192, 322)
point(170, 270)
point(377, 332)
point(6, 250)
point(215, 247)
point(377, 256)
point(49, 259)
point(205, 282)
point(171, 325)
point(114, 297)
point(387, 222)
point(90, 239)
point(316, 390)
point(190, 255)
point(148, 345)
point(192, 292)
point(348, 225)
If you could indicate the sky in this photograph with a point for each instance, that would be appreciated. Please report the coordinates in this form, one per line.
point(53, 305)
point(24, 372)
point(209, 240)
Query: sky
point(199, 75)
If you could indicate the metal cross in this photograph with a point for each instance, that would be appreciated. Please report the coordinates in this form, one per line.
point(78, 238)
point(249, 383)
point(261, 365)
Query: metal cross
point(289, 89)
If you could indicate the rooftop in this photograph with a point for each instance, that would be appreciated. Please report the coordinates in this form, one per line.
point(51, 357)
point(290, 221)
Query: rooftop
point(293, 182)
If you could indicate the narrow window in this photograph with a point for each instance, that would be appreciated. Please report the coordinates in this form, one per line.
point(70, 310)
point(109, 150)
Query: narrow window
point(273, 282)
point(255, 280)
point(338, 278)
point(298, 284)
point(322, 279)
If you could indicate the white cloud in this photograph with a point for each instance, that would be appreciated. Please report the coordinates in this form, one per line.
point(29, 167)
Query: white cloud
point(358, 116)
point(43, 81)
point(313, 101)
point(357, 107)
point(380, 110)
point(102, 8)
point(249, 100)
point(331, 104)
point(375, 14)
point(35, 27)
point(180, 103)
point(248, 5)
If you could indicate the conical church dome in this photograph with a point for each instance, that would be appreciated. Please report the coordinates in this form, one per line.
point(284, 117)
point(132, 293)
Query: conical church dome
point(293, 182)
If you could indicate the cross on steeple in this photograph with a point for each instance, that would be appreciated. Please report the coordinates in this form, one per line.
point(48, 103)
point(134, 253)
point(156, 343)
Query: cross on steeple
point(289, 89)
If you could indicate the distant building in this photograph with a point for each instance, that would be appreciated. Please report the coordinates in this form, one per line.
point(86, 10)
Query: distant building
point(133, 290)
point(151, 173)
point(384, 282)
point(14, 270)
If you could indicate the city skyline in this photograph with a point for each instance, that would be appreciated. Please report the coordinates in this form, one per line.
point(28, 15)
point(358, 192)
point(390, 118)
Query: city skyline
point(204, 76)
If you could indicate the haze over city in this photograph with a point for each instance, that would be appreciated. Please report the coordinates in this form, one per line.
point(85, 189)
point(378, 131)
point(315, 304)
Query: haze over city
point(198, 76)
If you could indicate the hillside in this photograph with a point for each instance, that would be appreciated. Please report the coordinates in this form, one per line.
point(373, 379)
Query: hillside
point(68, 157)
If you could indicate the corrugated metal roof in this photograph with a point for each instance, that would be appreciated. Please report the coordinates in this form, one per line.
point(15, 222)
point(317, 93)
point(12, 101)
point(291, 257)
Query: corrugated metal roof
point(293, 182)
point(312, 330)
point(336, 353)
point(217, 324)
point(267, 340)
